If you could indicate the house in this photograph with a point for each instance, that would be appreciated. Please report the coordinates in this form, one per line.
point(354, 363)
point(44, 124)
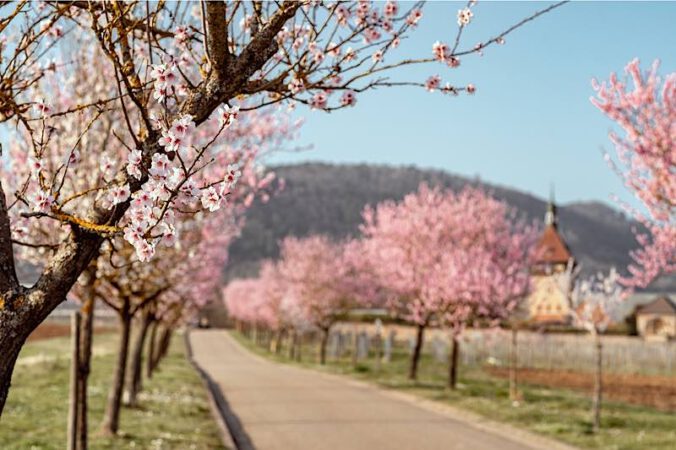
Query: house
point(657, 320)
point(549, 301)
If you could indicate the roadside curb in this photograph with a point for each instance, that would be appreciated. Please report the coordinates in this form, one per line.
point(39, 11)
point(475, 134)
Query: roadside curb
point(217, 403)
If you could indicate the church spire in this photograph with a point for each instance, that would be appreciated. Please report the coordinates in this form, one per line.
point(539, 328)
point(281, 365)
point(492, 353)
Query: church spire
point(550, 216)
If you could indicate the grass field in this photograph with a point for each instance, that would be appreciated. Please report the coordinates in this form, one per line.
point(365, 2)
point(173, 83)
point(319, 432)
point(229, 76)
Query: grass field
point(558, 413)
point(173, 411)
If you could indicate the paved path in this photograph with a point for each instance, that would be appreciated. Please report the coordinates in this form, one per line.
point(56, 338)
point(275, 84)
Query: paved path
point(276, 406)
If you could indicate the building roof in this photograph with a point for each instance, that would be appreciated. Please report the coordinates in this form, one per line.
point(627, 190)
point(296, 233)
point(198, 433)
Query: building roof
point(552, 249)
point(661, 305)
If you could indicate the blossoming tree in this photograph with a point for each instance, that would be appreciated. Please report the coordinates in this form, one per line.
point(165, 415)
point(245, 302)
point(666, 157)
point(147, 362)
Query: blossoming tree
point(445, 257)
point(172, 65)
point(319, 278)
point(646, 161)
point(596, 303)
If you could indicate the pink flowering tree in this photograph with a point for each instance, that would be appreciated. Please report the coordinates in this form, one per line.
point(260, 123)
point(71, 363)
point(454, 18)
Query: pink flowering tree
point(445, 257)
point(172, 288)
point(318, 276)
point(181, 74)
point(644, 108)
point(596, 303)
point(83, 152)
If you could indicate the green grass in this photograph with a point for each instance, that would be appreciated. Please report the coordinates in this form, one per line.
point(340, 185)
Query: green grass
point(557, 413)
point(173, 411)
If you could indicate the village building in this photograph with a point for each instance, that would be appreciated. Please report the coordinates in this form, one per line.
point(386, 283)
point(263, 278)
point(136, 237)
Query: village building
point(657, 320)
point(549, 301)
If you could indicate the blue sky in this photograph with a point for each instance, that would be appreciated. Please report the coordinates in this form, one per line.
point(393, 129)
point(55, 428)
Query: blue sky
point(530, 123)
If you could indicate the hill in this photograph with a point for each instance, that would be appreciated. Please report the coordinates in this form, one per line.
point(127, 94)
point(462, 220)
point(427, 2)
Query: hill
point(328, 199)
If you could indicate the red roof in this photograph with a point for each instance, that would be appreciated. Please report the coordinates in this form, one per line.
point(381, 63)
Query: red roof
point(551, 248)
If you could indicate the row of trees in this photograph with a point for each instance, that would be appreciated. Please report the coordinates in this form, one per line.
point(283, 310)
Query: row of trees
point(437, 258)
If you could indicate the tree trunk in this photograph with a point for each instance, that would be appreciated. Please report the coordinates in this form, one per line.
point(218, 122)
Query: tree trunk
point(159, 346)
point(598, 385)
point(164, 345)
point(513, 367)
point(299, 347)
point(150, 357)
point(86, 336)
point(415, 356)
point(322, 346)
point(134, 382)
point(73, 400)
point(453, 363)
point(292, 345)
point(9, 355)
point(278, 341)
point(111, 419)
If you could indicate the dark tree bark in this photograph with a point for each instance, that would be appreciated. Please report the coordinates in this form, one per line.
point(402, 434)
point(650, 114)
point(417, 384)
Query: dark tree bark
point(417, 350)
point(279, 338)
point(292, 344)
point(158, 347)
point(299, 347)
point(134, 382)
point(324, 340)
point(453, 363)
point(73, 400)
point(23, 309)
point(111, 418)
point(163, 347)
point(150, 357)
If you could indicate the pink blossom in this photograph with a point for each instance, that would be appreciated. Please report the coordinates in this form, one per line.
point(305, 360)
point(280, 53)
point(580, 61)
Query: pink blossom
point(160, 165)
point(232, 174)
point(391, 8)
point(227, 115)
point(119, 194)
point(439, 50)
point(414, 17)
point(464, 16)
point(319, 100)
point(211, 199)
point(42, 201)
point(348, 99)
point(134, 163)
point(432, 83)
point(645, 112)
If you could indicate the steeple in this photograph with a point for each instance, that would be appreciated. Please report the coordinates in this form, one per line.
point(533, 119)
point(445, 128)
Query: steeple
point(550, 215)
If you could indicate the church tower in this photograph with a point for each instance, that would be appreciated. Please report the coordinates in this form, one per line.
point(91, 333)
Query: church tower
point(548, 302)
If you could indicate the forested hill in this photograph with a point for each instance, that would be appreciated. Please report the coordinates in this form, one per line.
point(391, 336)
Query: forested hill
point(328, 199)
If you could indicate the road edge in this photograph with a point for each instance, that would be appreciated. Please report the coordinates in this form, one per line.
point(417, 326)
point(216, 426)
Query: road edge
point(215, 398)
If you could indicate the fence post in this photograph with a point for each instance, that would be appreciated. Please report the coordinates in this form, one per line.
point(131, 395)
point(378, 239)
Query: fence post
point(74, 378)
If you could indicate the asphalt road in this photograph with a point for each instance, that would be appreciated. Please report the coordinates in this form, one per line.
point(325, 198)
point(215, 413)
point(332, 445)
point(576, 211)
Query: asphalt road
point(276, 406)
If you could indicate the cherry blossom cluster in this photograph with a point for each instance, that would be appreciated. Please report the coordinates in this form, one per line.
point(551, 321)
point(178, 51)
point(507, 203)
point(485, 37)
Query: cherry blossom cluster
point(645, 112)
point(79, 163)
